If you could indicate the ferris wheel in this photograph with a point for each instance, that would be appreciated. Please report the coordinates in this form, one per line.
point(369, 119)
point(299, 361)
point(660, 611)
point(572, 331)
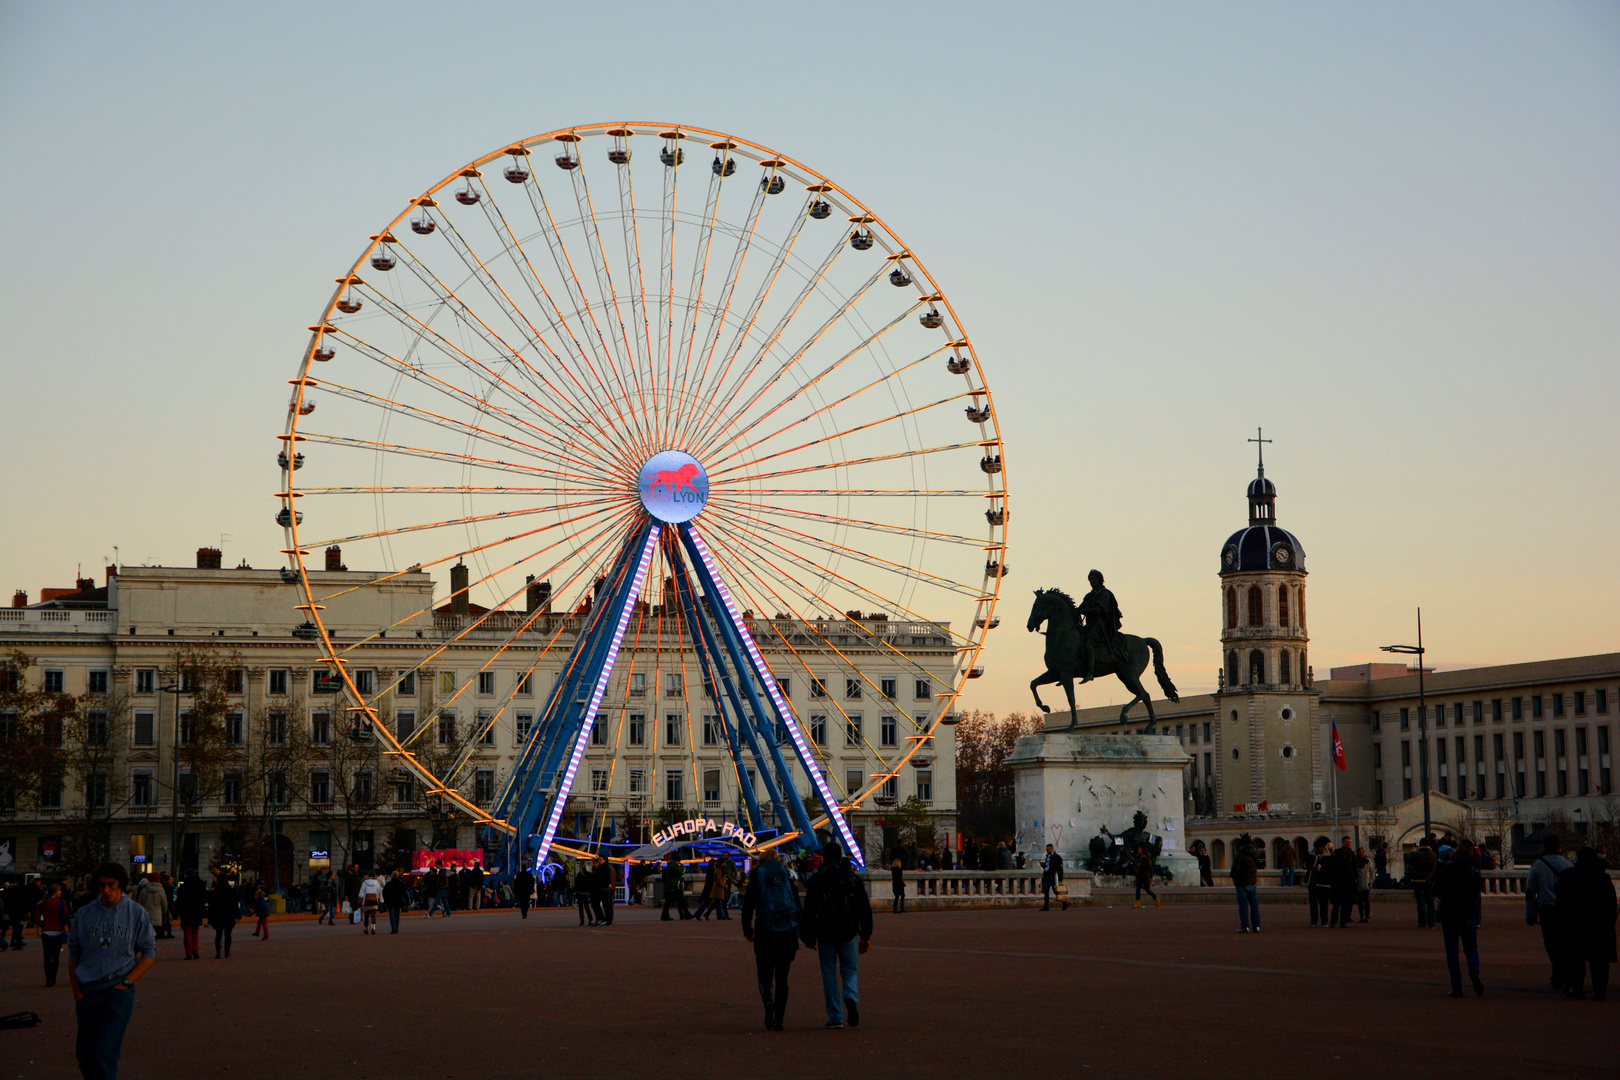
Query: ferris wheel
point(634, 391)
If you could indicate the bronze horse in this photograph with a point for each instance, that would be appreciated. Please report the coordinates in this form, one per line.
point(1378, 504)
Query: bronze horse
point(1063, 661)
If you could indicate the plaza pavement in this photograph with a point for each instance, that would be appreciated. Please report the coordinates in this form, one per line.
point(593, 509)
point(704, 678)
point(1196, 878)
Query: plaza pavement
point(1101, 990)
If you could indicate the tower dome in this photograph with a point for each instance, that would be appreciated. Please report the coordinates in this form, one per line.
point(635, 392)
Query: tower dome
point(1263, 545)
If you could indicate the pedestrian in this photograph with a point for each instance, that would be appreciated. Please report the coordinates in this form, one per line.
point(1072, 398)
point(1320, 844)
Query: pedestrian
point(1287, 861)
point(261, 913)
point(1458, 887)
point(155, 899)
point(191, 902)
point(1364, 884)
point(441, 889)
point(1318, 872)
point(166, 930)
point(602, 891)
point(523, 890)
point(707, 894)
point(52, 916)
point(395, 896)
point(724, 880)
point(18, 903)
point(1342, 884)
point(1245, 875)
point(327, 898)
point(223, 911)
point(1420, 867)
point(370, 897)
point(582, 897)
point(897, 883)
point(1144, 877)
point(770, 919)
point(1541, 905)
point(674, 888)
point(1206, 869)
point(475, 886)
point(1587, 905)
point(110, 947)
point(1052, 880)
point(838, 925)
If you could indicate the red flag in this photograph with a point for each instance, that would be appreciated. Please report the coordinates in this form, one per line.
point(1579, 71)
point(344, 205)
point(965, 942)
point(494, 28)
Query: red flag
point(1338, 747)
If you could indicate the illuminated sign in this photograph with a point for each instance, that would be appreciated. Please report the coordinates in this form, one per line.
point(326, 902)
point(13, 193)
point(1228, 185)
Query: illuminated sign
point(423, 860)
point(701, 828)
point(673, 486)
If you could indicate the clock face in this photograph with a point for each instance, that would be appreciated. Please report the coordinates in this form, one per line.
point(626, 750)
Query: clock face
point(1281, 555)
point(1229, 557)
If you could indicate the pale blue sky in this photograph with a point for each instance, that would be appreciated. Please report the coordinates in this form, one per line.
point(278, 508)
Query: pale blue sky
point(1390, 233)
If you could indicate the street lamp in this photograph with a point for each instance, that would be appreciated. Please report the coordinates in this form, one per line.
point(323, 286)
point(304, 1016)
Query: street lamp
point(1423, 718)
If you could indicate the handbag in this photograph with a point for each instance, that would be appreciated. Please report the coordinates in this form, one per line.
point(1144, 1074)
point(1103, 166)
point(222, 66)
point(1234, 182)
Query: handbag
point(1063, 889)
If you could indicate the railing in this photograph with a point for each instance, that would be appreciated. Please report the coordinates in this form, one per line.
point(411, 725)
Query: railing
point(56, 621)
point(1497, 882)
point(927, 889)
point(766, 631)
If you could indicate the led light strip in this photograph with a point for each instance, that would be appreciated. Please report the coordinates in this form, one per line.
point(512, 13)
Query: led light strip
point(555, 817)
point(786, 713)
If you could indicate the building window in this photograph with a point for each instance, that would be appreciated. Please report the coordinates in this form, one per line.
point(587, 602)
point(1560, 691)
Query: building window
point(1257, 606)
point(53, 682)
point(320, 787)
point(146, 680)
point(365, 681)
point(1535, 707)
point(447, 728)
point(278, 681)
point(322, 681)
point(638, 684)
point(140, 790)
point(95, 789)
point(1283, 673)
point(364, 789)
point(889, 689)
point(711, 785)
point(404, 787)
point(525, 686)
point(672, 729)
point(1602, 700)
point(1231, 608)
point(925, 785)
point(230, 791)
point(784, 686)
point(598, 735)
point(1375, 724)
point(711, 729)
point(1580, 702)
point(637, 735)
point(674, 787)
point(404, 724)
point(1257, 667)
point(275, 727)
point(852, 730)
point(320, 728)
point(1558, 704)
point(891, 788)
point(1406, 719)
point(818, 728)
point(674, 685)
point(924, 690)
point(407, 684)
point(484, 787)
point(1231, 667)
point(852, 689)
point(447, 682)
point(486, 727)
point(890, 732)
point(486, 683)
point(145, 729)
point(638, 781)
point(524, 724)
point(818, 688)
point(98, 682)
point(1282, 606)
point(599, 780)
point(1518, 708)
point(1206, 732)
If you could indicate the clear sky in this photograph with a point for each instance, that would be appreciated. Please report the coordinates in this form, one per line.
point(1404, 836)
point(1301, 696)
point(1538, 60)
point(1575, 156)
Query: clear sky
point(1389, 233)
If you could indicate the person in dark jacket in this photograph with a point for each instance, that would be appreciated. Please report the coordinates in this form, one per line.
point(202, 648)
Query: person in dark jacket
point(1318, 873)
point(582, 896)
point(224, 908)
point(836, 914)
point(395, 897)
point(1051, 875)
point(1342, 884)
point(1144, 877)
point(191, 904)
point(1420, 867)
point(602, 891)
point(674, 888)
point(1457, 885)
point(771, 915)
point(897, 882)
point(1245, 875)
point(523, 891)
point(1588, 894)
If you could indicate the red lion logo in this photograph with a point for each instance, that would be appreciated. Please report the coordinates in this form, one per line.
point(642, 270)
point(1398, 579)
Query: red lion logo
point(675, 479)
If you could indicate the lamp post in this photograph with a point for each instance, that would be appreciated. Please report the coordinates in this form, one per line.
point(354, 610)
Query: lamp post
point(1423, 718)
point(174, 787)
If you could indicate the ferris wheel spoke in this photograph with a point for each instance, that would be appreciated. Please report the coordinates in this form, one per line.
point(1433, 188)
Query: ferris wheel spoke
point(469, 460)
point(836, 521)
point(721, 310)
point(682, 357)
point(725, 422)
point(640, 316)
point(600, 468)
point(464, 317)
point(470, 519)
point(713, 398)
point(851, 462)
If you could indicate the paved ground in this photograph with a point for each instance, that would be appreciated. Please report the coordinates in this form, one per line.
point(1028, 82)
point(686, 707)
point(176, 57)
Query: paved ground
point(1168, 992)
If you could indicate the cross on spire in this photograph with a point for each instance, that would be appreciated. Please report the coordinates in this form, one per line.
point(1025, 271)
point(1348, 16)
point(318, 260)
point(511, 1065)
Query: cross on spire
point(1258, 432)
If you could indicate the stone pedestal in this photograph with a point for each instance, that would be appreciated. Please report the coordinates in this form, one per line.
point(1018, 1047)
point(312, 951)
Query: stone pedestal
point(1071, 784)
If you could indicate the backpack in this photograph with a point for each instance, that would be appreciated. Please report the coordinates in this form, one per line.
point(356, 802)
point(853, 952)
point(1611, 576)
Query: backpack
point(836, 918)
point(778, 907)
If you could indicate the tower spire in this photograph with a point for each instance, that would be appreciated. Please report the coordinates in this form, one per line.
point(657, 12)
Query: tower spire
point(1261, 447)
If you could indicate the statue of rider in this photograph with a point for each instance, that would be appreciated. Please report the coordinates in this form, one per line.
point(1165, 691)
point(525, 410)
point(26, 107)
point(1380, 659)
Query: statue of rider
point(1103, 620)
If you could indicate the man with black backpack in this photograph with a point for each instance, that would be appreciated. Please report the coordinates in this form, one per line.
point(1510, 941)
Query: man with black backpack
point(1541, 906)
point(837, 912)
point(770, 919)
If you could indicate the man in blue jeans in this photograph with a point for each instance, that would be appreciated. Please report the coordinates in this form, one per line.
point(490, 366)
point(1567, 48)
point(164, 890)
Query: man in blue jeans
point(1245, 876)
point(110, 946)
point(838, 925)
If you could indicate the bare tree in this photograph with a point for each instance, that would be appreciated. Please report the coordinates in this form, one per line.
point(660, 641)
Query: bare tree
point(33, 761)
point(984, 781)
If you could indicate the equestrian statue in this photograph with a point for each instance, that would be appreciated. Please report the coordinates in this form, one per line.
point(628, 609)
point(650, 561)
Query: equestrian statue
point(1076, 650)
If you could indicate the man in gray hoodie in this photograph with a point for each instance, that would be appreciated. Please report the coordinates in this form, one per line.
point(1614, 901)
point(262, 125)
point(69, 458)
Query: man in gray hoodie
point(110, 946)
point(1540, 896)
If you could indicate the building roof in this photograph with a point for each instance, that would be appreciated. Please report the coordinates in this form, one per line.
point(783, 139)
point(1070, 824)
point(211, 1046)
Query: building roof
point(1262, 547)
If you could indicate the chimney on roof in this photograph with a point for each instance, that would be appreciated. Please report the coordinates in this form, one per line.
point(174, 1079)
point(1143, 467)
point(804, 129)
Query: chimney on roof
point(539, 596)
point(112, 572)
point(458, 589)
point(208, 558)
point(85, 584)
point(19, 599)
point(334, 558)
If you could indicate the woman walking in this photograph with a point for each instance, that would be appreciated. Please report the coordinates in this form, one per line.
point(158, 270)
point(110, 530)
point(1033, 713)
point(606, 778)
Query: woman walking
point(191, 902)
point(1144, 878)
point(1457, 886)
point(1589, 894)
point(326, 900)
point(52, 917)
point(261, 912)
point(370, 895)
point(897, 879)
point(1364, 884)
point(223, 911)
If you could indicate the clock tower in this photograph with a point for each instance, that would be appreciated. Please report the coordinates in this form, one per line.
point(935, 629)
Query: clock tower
point(1266, 714)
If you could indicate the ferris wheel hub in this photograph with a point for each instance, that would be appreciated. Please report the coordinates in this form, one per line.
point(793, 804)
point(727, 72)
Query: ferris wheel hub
point(673, 486)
